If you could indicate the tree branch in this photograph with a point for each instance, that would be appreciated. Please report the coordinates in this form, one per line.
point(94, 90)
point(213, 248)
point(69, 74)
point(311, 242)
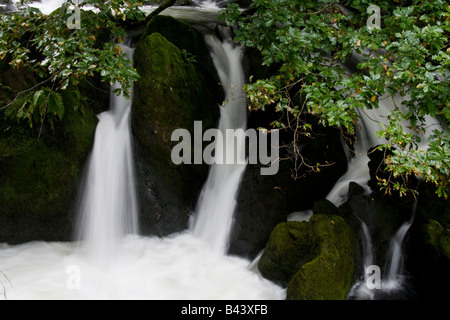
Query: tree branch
point(161, 8)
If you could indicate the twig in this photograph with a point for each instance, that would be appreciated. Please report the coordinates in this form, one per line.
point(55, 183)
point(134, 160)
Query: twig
point(25, 91)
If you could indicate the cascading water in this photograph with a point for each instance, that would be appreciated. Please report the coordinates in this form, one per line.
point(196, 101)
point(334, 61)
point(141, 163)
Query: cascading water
point(358, 171)
point(177, 267)
point(216, 205)
point(393, 279)
point(366, 138)
point(180, 266)
point(108, 209)
point(209, 3)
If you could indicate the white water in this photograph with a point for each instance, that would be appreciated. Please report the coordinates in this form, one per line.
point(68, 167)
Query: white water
point(108, 209)
point(209, 3)
point(217, 203)
point(371, 122)
point(395, 249)
point(182, 266)
point(45, 6)
point(358, 170)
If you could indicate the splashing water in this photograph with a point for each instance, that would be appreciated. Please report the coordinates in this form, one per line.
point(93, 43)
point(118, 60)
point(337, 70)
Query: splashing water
point(217, 202)
point(181, 266)
point(108, 209)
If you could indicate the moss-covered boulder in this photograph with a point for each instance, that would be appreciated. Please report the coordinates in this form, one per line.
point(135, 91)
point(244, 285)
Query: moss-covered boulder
point(439, 238)
point(171, 94)
point(39, 176)
point(191, 43)
point(180, 34)
point(314, 258)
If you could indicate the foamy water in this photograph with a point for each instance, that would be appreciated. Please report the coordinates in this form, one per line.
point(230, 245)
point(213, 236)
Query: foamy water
point(175, 268)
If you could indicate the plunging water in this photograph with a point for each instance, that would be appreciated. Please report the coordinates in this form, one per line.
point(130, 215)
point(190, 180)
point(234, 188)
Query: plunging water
point(108, 209)
point(177, 267)
point(371, 122)
point(217, 202)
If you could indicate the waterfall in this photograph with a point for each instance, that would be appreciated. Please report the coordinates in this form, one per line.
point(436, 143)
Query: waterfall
point(209, 3)
point(395, 250)
point(45, 6)
point(217, 202)
point(370, 123)
point(367, 248)
point(108, 208)
point(177, 267)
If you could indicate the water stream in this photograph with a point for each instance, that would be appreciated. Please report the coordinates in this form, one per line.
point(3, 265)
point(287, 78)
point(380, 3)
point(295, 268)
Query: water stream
point(181, 266)
point(108, 209)
point(217, 202)
point(109, 260)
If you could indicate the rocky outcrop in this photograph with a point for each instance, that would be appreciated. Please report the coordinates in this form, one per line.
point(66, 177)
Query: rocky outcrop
point(171, 94)
point(41, 168)
point(314, 259)
point(260, 207)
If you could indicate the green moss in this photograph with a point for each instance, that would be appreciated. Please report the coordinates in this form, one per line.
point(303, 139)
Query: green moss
point(37, 180)
point(290, 245)
point(40, 174)
point(175, 31)
point(439, 238)
point(315, 258)
point(169, 95)
point(329, 275)
point(77, 128)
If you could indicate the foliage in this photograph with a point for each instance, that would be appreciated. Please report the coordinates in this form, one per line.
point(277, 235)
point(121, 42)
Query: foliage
point(35, 105)
point(60, 56)
point(308, 43)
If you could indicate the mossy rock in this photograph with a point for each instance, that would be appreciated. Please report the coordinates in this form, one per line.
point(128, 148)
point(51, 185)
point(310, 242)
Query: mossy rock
point(314, 258)
point(291, 244)
point(180, 34)
point(171, 94)
point(191, 43)
point(439, 238)
point(40, 166)
point(40, 176)
point(168, 96)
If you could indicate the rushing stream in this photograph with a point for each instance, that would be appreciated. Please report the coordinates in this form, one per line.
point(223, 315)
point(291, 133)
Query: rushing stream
point(108, 209)
point(110, 260)
point(217, 202)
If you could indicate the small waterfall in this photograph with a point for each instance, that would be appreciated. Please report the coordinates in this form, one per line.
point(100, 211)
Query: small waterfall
point(45, 6)
point(217, 202)
point(209, 3)
point(358, 170)
point(179, 267)
point(395, 251)
point(108, 209)
point(370, 124)
point(367, 248)
point(391, 279)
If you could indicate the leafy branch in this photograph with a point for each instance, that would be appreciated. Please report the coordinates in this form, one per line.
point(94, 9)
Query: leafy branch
point(59, 57)
point(308, 42)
